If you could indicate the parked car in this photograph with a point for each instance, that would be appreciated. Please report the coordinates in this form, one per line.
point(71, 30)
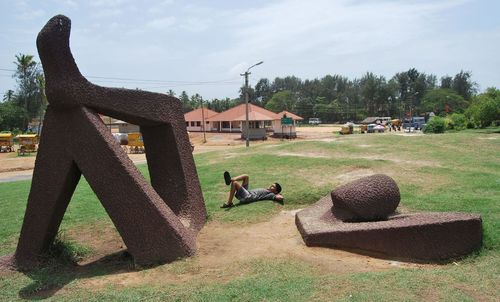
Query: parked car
point(314, 121)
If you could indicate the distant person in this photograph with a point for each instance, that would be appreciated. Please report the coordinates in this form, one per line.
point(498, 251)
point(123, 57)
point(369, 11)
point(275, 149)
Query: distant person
point(245, 196)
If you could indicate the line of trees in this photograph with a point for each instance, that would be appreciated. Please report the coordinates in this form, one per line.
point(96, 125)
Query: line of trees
point(335, 98)
point(28, 102)
point(339, 99)
point(332, 98)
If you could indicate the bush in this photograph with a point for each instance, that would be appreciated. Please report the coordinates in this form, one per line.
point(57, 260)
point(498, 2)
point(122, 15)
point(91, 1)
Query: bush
point(484, 111)
point(435, 125)
point(456, 121)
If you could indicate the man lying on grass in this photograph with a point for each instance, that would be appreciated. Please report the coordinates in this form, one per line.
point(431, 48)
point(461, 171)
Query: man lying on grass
point(244, 195)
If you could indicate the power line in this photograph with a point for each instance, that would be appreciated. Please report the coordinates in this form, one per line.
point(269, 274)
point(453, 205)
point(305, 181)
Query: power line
point(162, 81)
point(120, 80)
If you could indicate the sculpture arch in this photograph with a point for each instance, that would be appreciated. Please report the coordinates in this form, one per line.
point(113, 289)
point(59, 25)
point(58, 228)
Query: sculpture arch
point(158, 222)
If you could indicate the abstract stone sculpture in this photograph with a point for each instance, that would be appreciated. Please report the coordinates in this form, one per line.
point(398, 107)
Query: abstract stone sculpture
point(419, 236)
point(369, 198)
point(158, 222)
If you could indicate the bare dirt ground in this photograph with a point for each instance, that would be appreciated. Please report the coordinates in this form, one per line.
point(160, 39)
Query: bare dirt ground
point(224, 252)
point(222, 248)
point(12, 165)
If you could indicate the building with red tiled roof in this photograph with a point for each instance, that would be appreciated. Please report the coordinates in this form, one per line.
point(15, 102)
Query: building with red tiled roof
point(286, 130)
point(232, 120)
point(194, 119)
point(289, 114)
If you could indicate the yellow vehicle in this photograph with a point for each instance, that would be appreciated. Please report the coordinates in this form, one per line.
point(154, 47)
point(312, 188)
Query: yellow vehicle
point(6, 142)
point(135, 142)
point(346, 129)
point(352, 128)
point(27, 143)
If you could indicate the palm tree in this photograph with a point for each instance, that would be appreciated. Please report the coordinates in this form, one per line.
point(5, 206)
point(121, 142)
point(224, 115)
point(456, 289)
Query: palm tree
point(24, 63)
point(9, 95)
point(26, 71)
point(40, 80)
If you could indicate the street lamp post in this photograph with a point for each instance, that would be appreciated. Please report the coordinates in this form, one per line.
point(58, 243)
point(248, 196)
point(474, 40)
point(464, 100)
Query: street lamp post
point(203, 120)
point(246, 102)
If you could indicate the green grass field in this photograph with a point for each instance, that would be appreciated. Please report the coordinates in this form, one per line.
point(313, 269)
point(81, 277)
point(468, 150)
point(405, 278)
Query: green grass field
point(458, 172)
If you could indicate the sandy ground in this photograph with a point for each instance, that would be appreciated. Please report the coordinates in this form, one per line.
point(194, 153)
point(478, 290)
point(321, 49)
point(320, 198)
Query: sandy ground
point(14, 167)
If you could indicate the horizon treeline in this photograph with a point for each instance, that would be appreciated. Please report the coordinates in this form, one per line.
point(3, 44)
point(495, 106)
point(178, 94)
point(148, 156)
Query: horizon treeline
point(332, 98)
point(336, 98)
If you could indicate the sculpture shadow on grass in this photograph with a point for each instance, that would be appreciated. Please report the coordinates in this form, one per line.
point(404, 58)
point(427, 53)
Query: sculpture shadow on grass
point(51, 277)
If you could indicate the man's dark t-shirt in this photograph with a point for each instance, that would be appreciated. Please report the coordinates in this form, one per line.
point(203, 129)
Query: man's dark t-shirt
point(247, 196)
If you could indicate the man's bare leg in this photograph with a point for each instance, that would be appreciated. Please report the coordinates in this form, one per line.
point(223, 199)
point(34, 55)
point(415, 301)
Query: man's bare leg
point(235, 186)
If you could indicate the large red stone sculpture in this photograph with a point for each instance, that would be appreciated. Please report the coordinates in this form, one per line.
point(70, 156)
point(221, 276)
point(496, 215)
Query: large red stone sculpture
point(369, 198)
point(416, 236)
point(158, 222)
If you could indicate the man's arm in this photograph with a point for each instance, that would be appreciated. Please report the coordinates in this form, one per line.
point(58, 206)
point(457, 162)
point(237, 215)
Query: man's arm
point(278, 197)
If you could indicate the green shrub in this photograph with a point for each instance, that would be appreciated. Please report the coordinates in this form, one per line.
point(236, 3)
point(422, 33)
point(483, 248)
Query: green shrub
point(456, 121)
point(484, 111)
point(435, 125)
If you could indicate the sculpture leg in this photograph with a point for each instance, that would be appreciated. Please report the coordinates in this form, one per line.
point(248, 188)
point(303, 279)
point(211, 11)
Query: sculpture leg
point(54, 180)
point(149, 228)
point(173, 172)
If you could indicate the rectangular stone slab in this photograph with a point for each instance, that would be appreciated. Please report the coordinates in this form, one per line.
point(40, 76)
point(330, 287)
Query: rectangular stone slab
point(420, 236)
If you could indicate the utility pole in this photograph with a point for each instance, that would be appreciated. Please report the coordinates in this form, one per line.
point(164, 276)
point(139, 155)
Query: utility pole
point(247, 124)
point(203, 120)
point(247, 131)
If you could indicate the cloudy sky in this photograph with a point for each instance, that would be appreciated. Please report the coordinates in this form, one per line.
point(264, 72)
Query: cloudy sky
point(203, 46)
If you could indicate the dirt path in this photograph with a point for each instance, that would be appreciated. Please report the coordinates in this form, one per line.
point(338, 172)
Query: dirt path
point(14, 168)
point(224, 252)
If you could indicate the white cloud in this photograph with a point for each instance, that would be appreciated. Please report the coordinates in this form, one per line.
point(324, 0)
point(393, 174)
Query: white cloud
point(27, 12)
point(162, 23)
point(160, 7)
point(298, 28)
point(71, 3)
point(106, 3)
point(194, 24)
point(107, 13)
point(204, 40)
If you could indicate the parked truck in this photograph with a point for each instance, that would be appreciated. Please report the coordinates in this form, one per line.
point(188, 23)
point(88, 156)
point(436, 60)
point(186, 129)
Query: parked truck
point(416, 123)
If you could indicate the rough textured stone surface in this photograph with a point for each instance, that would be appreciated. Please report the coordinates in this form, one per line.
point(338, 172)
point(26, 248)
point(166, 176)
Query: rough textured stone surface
point(157, 222)
point(369, 198)
point(420, 236)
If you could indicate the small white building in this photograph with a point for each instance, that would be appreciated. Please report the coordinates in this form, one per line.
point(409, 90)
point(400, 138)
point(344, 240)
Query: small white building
point(287, 130)
point(194, 119)
point(261, 121)
point(233, 120)
point(258, 124)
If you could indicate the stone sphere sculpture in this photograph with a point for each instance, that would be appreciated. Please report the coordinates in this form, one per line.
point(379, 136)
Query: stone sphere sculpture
point(369, 198)
point(359, 216)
